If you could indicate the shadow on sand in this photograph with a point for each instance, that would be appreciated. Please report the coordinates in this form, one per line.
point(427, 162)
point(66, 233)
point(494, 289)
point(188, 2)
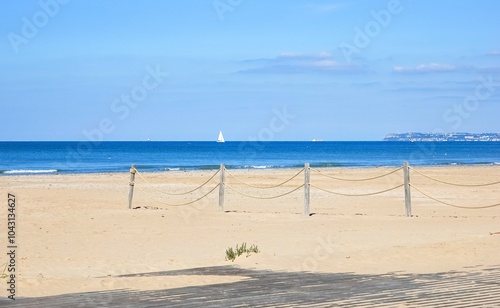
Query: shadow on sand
point(477, 286)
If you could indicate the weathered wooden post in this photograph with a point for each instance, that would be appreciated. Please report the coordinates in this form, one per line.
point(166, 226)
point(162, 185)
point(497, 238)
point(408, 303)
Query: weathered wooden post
point(307, 188)
point(406, 168)
point(131, 183)
point(221, 186)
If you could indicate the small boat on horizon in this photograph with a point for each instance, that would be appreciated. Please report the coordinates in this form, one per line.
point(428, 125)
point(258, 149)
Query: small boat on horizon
point(221, 137)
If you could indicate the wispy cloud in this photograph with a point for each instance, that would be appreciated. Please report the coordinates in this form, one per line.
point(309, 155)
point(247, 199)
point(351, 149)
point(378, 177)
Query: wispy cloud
point(435, 89)
point(296, 63)
point(494, 53)
point(426, 68)
point(445, 68)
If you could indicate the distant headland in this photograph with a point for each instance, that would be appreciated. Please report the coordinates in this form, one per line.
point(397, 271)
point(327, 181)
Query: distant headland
point(442, 137)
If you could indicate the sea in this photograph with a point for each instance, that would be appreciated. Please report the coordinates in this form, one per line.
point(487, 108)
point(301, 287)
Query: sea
point(30, 158)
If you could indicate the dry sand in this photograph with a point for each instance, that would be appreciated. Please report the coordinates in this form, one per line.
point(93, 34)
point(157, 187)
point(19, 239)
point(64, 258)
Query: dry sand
point(76, 233)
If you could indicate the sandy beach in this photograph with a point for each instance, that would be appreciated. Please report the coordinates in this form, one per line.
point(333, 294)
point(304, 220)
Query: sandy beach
point(76, 233)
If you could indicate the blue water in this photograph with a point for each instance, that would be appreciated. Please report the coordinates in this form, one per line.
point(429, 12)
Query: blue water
point(88, 157)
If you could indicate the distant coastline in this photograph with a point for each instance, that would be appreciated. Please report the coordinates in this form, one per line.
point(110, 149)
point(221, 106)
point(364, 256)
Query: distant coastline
point(467, 137)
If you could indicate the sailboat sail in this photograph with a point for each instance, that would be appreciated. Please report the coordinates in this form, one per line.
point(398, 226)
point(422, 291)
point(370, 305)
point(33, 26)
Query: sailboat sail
point(221, 137)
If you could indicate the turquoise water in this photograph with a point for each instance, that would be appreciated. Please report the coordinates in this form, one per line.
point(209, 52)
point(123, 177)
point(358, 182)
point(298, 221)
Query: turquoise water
point(88, 157)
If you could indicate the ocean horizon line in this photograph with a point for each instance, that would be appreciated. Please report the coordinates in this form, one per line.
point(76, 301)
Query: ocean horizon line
point(214, 141)
point(242, 141)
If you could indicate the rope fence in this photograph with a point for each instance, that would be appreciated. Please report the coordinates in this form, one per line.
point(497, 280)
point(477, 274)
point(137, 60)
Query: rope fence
point(306, 185)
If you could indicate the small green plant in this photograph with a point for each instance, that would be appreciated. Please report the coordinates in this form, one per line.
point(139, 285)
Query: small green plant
point(231, 253)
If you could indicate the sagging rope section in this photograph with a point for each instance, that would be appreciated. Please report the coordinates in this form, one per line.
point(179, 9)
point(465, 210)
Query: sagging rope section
point(265, 187)
point(454, 205)
point(178, 204)
point(357, 195)
point(356, 180)
point(176, 194)
point(264, 198)
point(453, 184)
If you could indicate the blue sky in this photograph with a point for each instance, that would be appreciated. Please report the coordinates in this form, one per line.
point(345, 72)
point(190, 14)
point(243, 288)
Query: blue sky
point(258, 70)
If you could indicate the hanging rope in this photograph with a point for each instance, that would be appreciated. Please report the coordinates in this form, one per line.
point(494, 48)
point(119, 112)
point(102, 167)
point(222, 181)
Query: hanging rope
point(177, 204)
point(356, 180)
point(264, 187)
point(454, 184)
point(454, 205)
point(357, 195)
point(176, 194)
point(264, 198)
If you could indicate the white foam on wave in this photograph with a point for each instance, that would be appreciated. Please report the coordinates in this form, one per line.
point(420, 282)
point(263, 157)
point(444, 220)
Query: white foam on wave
point(25, 171)
point(258, 167)
point(173, 169)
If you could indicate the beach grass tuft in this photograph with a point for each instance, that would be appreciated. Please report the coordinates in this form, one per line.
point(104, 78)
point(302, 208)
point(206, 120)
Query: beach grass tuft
point(232, 254)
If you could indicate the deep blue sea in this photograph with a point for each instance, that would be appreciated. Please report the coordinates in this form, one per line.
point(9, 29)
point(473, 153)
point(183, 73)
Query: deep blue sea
point(88, 157)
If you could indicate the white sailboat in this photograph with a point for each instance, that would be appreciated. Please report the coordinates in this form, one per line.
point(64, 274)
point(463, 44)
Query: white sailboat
point(221, 137)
